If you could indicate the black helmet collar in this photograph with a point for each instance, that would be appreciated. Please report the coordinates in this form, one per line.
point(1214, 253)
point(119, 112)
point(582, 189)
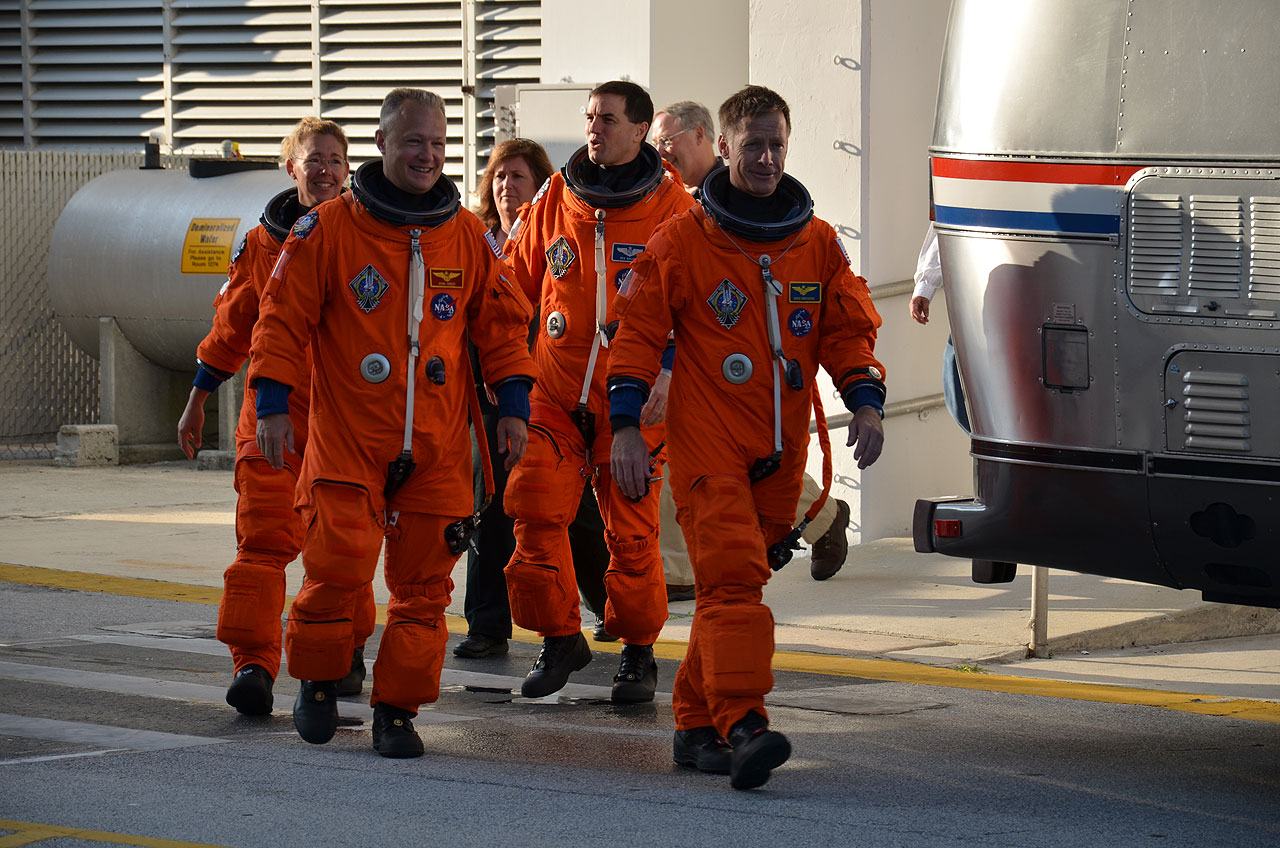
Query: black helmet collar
point(281, 212)
point(715, 188)
point(600, 198)
point(445, 201)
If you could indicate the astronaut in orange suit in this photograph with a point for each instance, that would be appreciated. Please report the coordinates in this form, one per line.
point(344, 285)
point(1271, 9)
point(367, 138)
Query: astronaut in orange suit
point(387, 283)
point(570, 249)
point(759, 294)
point(268, 530)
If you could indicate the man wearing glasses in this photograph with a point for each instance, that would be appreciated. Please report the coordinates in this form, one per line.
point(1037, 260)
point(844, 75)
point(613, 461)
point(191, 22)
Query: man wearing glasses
point(685, 135)
point(571, 249)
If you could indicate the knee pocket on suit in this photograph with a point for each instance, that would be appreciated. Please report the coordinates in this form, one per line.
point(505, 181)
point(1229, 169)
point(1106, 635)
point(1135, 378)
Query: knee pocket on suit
point(410, 658)
point(737, 642)
point(537, 596)
point(319, 650)
point(636, 587)
point(252, 598)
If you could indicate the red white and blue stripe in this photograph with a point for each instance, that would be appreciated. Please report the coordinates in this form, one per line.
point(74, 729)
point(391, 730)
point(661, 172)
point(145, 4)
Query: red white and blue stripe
point(1043, 198)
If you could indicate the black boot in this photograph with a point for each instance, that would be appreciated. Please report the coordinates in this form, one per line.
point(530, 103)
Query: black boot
point(478, 645)
point(560, 657)
point(830, 551)
point(354, 681)
point(637, 676)
point(393, 733)
point(600, 634)
point(702, 748)
point(250, 691)
point(757, 750)
point(315, 713)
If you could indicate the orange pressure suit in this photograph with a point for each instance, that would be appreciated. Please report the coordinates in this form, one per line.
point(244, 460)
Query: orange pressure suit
point(268, 530)
point(694, 278)
point(343, 281)
point(553, 252)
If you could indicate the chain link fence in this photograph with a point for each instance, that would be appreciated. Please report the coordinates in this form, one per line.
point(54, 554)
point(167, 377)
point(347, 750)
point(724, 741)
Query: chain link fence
point(45, 380)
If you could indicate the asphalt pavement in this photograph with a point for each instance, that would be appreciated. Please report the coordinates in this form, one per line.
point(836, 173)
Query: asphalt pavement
point(172, 523)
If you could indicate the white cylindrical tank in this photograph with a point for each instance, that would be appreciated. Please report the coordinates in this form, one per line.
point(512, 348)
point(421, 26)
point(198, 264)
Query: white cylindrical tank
point(150, 248)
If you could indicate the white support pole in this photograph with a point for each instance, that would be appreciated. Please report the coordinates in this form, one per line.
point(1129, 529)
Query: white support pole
point(1039, 646)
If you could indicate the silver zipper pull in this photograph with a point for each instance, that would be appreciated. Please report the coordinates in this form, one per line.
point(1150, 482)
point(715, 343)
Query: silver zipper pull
point(770, 282)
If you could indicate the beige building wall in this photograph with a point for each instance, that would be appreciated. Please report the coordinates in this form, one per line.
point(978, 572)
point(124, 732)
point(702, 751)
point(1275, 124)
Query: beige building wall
point(677, 49)
point(861, 77)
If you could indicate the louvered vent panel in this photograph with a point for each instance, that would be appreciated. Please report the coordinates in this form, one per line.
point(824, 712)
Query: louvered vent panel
point(241, 72)
point(367, 48)
point(246, 70)
point(11, 130)
point(1217, 411)
point(97, 71)
point(1217, 246)
point(1155, 244)
point(508, 51)
point(1264, 248)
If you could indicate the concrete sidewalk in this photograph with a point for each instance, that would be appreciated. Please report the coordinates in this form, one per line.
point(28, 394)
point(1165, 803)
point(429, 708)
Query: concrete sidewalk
point(172, 523)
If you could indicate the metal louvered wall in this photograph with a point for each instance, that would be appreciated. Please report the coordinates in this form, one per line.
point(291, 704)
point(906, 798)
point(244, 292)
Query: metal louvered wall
point(198, 72)
point(83, 83)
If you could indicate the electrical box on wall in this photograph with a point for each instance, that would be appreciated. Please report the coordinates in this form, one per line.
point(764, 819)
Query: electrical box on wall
point(554, 115)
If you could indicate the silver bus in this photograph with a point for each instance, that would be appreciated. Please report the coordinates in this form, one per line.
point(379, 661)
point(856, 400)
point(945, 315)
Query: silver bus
point(1106, 194)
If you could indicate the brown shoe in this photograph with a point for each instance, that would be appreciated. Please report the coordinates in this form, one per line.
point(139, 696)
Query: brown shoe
point(830, 550)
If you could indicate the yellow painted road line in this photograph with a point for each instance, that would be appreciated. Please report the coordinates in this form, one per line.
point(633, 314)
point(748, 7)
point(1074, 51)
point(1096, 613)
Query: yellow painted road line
point(895, 671)
point(32, 833)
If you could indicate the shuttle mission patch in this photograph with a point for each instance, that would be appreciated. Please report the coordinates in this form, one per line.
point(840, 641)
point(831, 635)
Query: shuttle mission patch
point(727, 302)
point(800, 322)
point(560, 256)
point(443, 306)
point(804, 292)
point(369, 287)
point(304, 225)
point(445, 278)
point(239, 250)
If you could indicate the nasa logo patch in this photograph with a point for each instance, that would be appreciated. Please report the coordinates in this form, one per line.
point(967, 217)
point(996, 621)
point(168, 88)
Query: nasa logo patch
point(239, 250)
point(369, 287)
point(443, 306)
point(559, 257)
point(727, 302)
point(623, 252)
point(800, 322)
point(304, 225)
point(620, 278)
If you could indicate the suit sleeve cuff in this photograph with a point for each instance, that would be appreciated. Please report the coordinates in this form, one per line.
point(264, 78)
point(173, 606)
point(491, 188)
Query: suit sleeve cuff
point(669, 356)
point(626, 399)
point(273, 397)
point(207, 379)
point(513, 398)
point(857, 396)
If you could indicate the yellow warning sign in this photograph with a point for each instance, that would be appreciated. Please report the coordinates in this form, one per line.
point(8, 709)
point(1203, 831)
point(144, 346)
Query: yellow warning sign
point(207, 249)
